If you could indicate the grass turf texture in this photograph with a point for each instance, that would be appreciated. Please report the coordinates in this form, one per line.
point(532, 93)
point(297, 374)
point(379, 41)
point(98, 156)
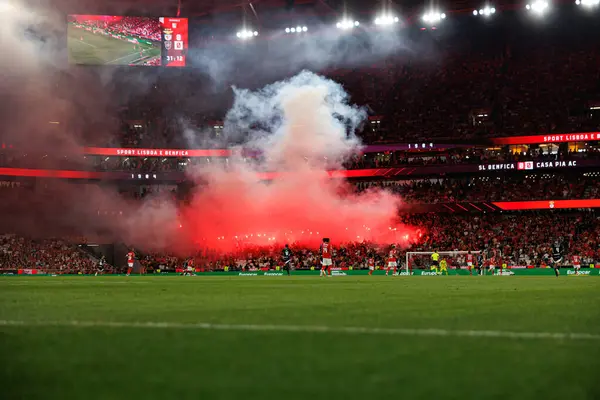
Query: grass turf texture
point(154, 363)
point(97, 49)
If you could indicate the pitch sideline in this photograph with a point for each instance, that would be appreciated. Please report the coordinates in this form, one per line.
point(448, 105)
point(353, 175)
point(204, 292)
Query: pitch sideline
point(310, 329)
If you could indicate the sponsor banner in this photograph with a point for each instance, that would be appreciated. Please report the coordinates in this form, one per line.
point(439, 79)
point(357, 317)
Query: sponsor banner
point(547, 204)
point(416, 272)
point(380, 148)
point(9, 271)
point(63, 174)
point(531, 165)
point(389, 173)
point(130, 152)
point(339, 273)
point(133, 152)
point(511, 272)
point(584, 272)
point(253, 273)
point(28, 271)
point(548, 138)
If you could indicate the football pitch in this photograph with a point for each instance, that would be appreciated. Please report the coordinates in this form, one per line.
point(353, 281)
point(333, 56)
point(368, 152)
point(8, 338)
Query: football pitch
point(97, 49)
point(285, 337)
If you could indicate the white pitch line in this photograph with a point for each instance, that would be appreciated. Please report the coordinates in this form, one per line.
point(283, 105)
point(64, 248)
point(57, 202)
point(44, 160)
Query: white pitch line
point(91, 45)
point(309, 329)
point(125, 56)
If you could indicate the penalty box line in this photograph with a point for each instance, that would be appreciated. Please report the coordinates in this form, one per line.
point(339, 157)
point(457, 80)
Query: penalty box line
point(310, 329)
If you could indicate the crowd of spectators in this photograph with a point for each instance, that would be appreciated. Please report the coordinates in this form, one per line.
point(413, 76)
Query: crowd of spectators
point(522, 239)
point(516, 85)
point(143, 27)
point(53, 256)
point(512, 85)
point(455, 156)
point(148, 28)
point(478, 189)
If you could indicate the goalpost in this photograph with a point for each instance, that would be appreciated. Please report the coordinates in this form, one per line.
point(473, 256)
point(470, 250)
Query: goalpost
point(458, 258)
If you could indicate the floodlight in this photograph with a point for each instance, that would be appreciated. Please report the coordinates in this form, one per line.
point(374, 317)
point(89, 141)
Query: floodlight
point(433, 17)
point(386, 20)
point(246, 34)
point(296, 29)
point(486, 11)
point(588, 3)
point(347, 24)
point(539, 7)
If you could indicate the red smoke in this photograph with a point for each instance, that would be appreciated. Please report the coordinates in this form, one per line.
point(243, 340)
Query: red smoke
point(302, 205)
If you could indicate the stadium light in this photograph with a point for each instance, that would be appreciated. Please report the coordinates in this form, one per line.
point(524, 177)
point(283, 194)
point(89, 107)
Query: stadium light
point(347, 24)
point(485, 12)
point(296, 29)
point(385, 20)
point(246, 34)
point(433, 17)
point(588, 3)
point(539, 7)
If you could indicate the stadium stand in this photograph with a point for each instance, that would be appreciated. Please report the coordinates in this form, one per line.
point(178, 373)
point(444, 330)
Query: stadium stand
point(517, 85)
point(53, 256)
point(533, 187)
point(523, 239)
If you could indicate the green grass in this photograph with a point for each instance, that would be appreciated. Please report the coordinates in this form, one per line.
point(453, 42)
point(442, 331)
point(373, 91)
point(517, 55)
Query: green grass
point(115, 362)
point(96, 49)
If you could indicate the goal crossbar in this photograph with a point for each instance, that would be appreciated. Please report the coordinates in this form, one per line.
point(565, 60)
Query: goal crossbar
point(441, 253)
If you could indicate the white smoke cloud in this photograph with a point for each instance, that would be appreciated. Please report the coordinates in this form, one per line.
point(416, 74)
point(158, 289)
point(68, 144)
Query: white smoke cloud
point(304, 119)
point(302, 126)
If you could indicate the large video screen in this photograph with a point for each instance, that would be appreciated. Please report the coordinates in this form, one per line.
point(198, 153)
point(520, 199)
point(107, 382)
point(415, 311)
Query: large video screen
point(119, 40)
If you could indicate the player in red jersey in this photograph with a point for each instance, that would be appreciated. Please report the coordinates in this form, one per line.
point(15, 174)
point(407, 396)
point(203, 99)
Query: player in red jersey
point(326, 262)
point(189, 269)
point(371, 264)
point(576, 264)
point(470, 261)
point(392, 261)
point(130, 259)
point(492, 261)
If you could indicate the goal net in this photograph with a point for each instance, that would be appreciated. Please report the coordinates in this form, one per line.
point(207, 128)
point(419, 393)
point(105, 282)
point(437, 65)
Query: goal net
point(422, 259)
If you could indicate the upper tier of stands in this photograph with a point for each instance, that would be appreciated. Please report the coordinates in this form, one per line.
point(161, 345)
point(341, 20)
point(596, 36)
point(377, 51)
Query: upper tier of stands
point(499, 80)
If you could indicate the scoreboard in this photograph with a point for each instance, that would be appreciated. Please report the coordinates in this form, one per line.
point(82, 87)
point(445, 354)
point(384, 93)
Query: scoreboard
point(127, 40)
point(175, 41)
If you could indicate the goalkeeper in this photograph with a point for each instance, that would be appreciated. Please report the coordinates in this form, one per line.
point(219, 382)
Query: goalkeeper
point(443, 267)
